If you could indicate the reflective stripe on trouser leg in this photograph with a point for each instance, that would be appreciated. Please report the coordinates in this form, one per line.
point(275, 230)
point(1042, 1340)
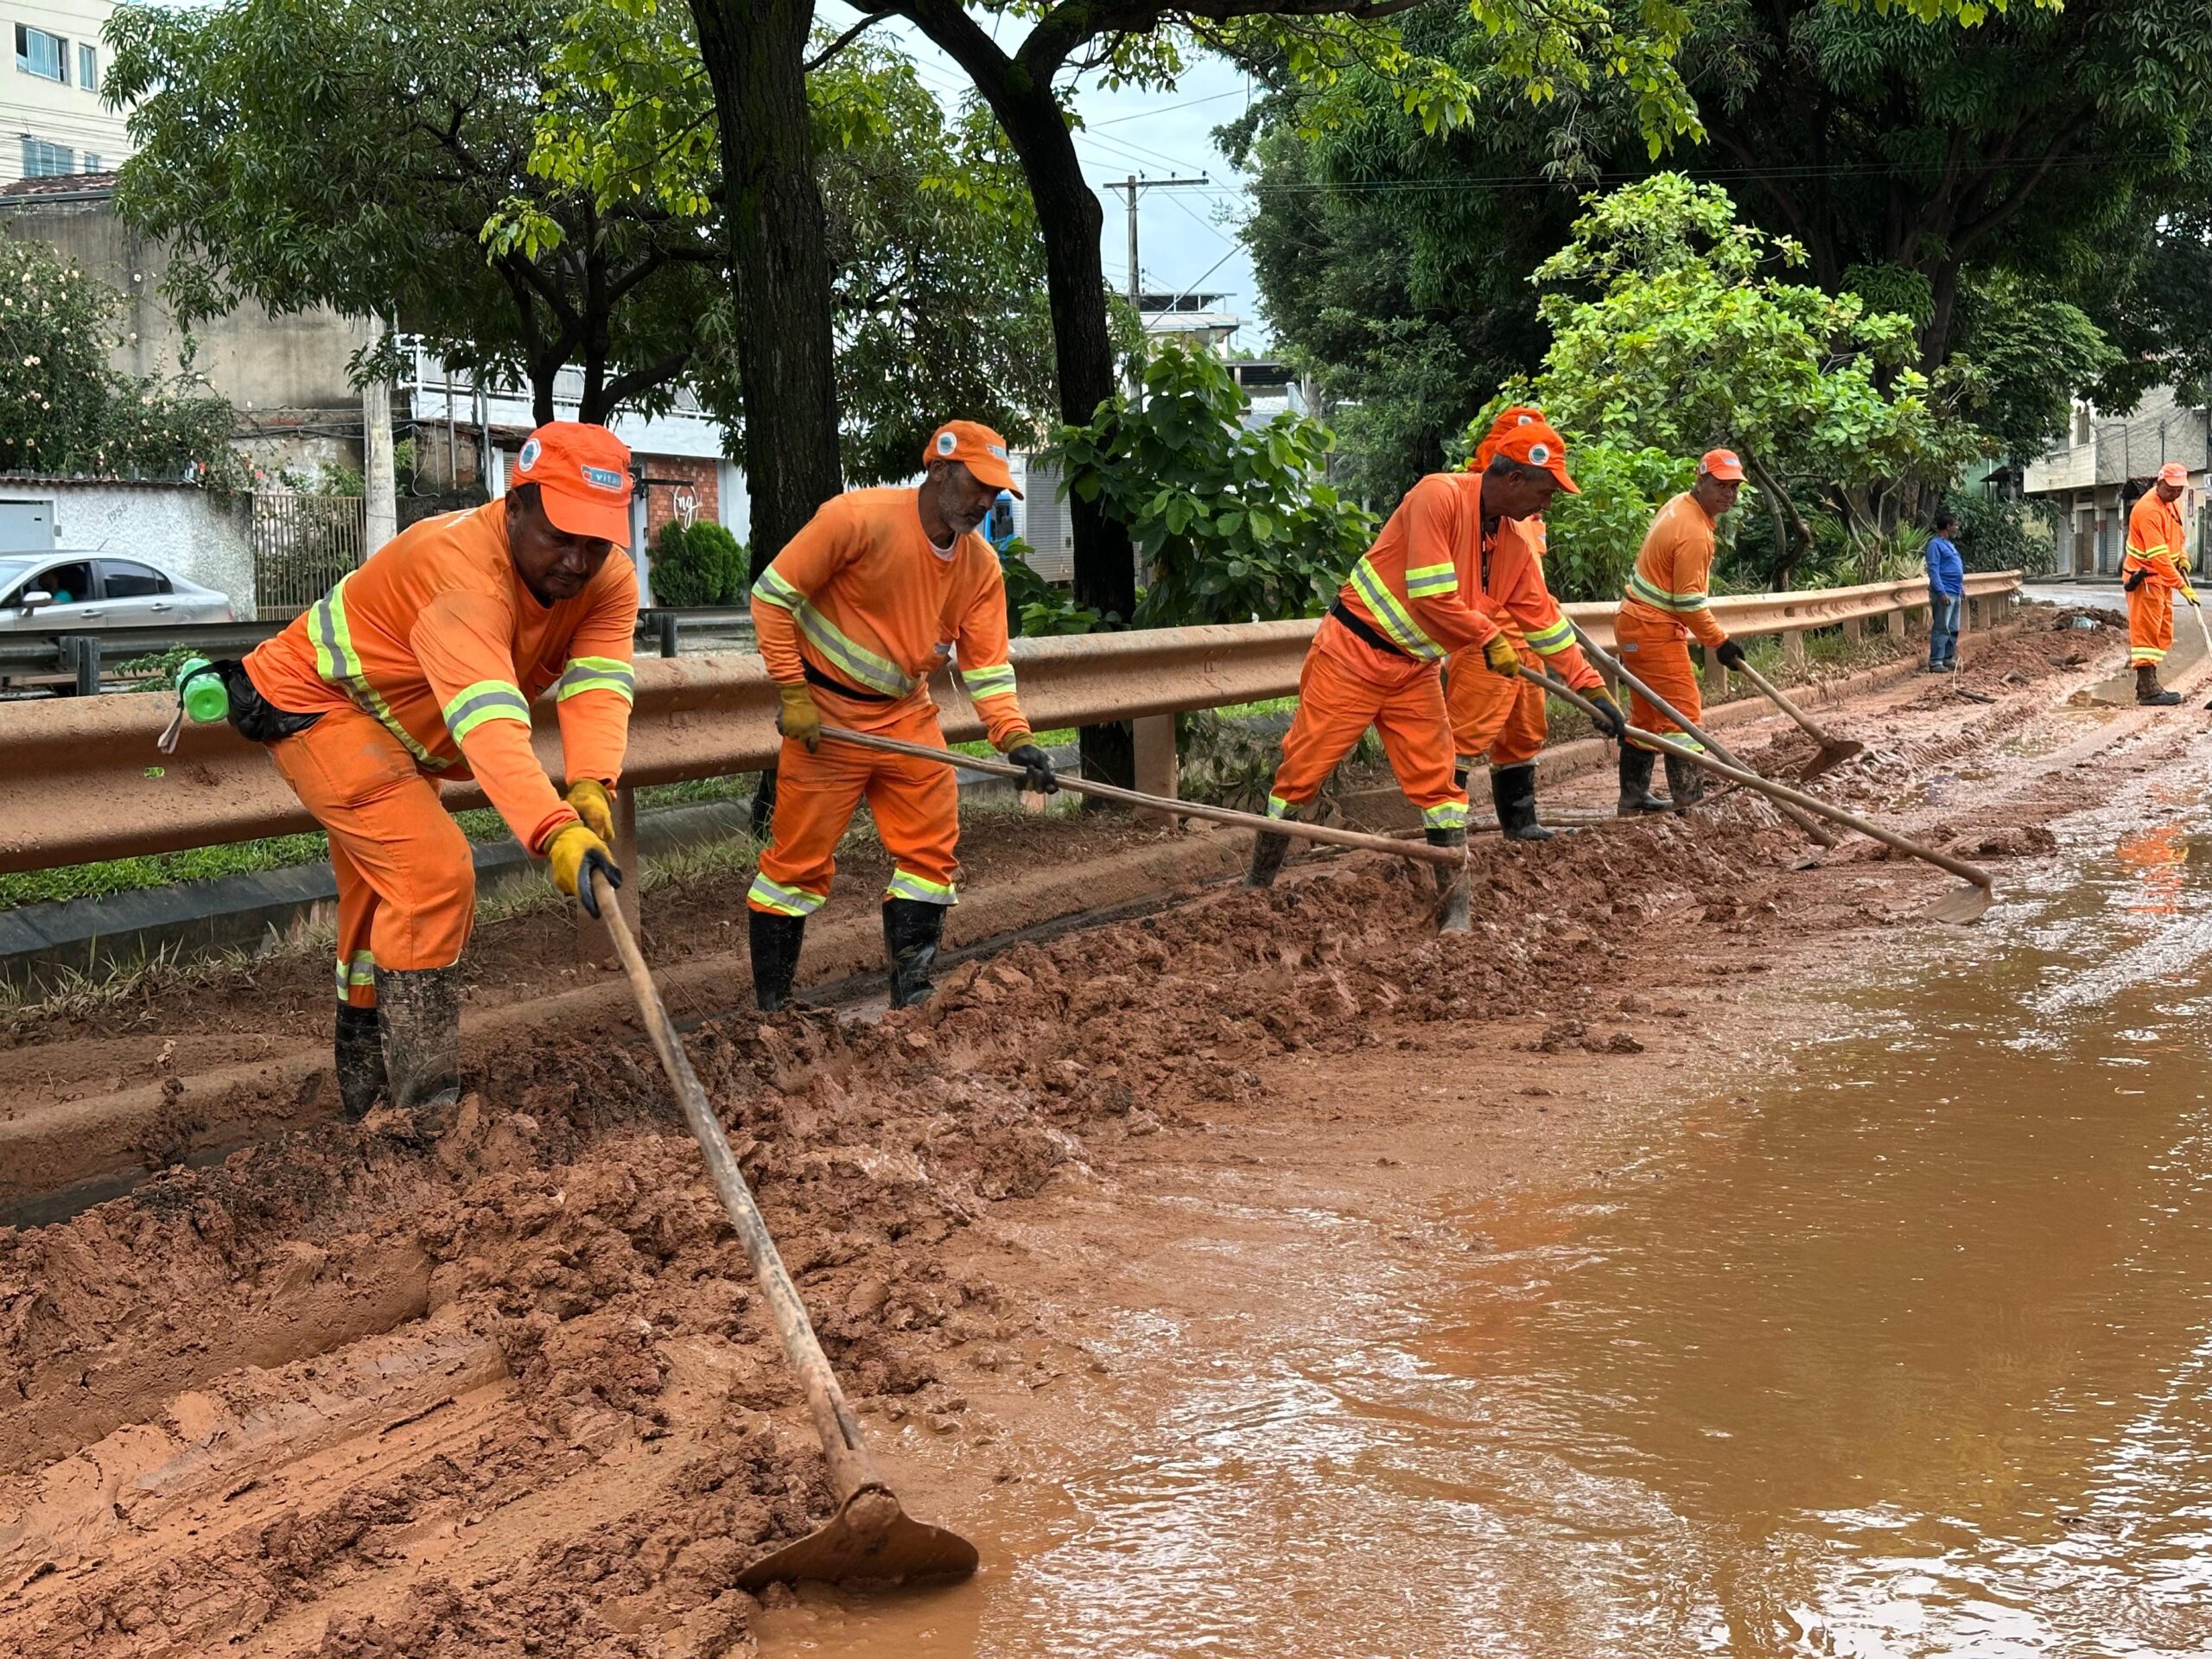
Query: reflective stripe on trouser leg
point(406, 880)
point(816, 797)
point(916, 804)
point(1416, 733)
point(905, 884)
point(1334, 707)
point(1662, 660)
point(356, 973)
point(2149, 625)
point(779, 900)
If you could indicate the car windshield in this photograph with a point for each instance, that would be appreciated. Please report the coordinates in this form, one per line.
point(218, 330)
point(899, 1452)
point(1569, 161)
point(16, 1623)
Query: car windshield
point(11, 572)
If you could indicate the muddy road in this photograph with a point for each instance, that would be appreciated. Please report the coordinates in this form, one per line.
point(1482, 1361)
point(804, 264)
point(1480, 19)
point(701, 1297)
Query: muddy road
point(1702, 1256)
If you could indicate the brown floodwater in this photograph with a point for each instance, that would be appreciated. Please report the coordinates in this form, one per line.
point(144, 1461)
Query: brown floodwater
point(1902, 1349)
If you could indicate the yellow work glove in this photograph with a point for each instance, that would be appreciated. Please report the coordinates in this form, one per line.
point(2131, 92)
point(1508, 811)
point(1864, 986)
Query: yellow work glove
point(595, 806)
point(1500, 658)
point(2188, 592)
point(1608, 716)
point(798, 717)
point(573, 853)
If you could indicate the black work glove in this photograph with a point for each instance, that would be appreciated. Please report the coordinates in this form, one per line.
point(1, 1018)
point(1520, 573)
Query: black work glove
point(1607, 714)
point(1039, 765)
point(2135, 578)
point(1730, 653)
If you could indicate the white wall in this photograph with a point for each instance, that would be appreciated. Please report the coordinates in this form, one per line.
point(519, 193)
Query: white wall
point(60, 114)
point(185, 531)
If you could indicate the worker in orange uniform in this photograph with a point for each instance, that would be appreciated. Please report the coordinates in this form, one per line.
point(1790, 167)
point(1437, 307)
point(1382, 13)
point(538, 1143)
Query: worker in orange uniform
point(420, 667)
point(1505, 718)
point(1666, 603)
point(1413, 600)
point(2155, 570)
point(879, 588)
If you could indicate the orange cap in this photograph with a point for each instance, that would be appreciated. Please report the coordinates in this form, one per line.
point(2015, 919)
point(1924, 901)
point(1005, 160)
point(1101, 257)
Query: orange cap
point(583, 474)
point(2174, 473)
point(1534, 444)
point(1722, 464)
point(976, 448)
point(1519, 415)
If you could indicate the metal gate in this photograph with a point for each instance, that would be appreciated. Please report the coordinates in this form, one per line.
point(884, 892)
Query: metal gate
point(302, 544)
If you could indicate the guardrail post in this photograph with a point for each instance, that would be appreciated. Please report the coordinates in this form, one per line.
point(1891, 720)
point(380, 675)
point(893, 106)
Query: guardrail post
point(1716, 676)
point(1158, 769)
point(1975, 617)
point(1894, 621)
point(667, 626)
point(1793, 649)
point(81, 653)
point(1854, 629)
point(594, 942)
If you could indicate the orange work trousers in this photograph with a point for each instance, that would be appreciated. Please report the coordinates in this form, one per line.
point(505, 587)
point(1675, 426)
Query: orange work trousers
point(916, 804)
point(406, 880)
point(1658, 653)
point(1492, 715)
point(2150, 624)
point(1337, 704)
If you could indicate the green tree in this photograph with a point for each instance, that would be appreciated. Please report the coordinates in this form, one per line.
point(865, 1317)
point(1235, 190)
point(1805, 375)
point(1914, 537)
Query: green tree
point(291, 152)
point(1672, 328)
point(1233, 522)
point(63, 409)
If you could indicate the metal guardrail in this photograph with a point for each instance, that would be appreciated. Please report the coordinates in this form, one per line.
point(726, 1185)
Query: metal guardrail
point(81, 779)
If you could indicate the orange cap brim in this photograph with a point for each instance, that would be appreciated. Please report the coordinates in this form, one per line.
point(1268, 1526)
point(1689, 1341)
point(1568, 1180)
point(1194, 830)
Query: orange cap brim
point(603, 521)
point(990, 469)
point(1558, 470)
point(1726, 475)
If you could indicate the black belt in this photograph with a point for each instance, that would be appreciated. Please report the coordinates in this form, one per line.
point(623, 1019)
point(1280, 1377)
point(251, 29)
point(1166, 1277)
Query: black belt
point(839, 688)
point(1361, 631)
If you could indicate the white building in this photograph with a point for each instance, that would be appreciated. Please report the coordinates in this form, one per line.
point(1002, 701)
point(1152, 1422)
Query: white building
point(2096, 470)
point(52, 120)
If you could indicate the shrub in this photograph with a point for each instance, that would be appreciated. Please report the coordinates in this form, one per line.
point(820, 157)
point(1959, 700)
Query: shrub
point(702, 566)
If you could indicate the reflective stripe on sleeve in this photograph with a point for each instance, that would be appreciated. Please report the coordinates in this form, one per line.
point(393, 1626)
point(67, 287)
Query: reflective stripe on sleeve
point(905, 884)
point(775, 590)
point(1549, 642)
point(775, 897)
point(994, 680)
point(596, 674)
point(1431, 581)
point(484, 701)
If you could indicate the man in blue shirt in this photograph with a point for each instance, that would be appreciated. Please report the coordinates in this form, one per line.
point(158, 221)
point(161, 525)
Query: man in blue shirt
point(1947, 593)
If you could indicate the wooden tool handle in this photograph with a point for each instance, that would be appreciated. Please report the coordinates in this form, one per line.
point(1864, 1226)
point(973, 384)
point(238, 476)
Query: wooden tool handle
point(1783, 793)
point(1591, 649)
point(1315, 832)
point(1811, 728)
point(849, 1467)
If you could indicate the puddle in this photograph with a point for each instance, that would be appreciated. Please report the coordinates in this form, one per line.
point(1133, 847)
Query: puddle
point(1904, 1351)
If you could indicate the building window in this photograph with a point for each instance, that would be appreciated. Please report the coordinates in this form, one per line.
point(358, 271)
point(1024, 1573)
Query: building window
point(2081, 423)
point(40, 53)
point(88, 67)
point(90, 161)
point(45, 161)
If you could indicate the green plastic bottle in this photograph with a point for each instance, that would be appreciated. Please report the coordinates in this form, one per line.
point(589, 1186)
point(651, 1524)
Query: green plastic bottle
point(203, 696)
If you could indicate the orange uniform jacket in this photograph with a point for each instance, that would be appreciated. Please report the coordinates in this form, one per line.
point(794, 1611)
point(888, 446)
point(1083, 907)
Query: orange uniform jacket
point(860, 608)
point(437, 640)
point(1673, 570)
point(1420, 586)
point(2156, 542)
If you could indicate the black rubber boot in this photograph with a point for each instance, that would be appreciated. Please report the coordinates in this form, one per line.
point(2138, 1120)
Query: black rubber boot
point(1513, 791)
point(419, 1009)
point(1451, 882)
point(1637, 797)
point(775, 941)
point(2148, 692)
point(911, 931)
point(1267, 854)
point(360, 1061)
point(1685, 782)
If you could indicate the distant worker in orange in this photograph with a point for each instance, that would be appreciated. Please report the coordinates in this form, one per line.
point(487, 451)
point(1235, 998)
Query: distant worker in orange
point(2155, 570)
point(1504, 718)
point(420, 667)
point(1413, 600)
point(1666, 603)
point(878, 589)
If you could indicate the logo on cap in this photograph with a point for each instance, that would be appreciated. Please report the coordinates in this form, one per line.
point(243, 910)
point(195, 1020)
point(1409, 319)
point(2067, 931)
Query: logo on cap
point(601, 478)
point(1523, 420)
point(1539, 453)
point(946, 443)
point(530, 450)
point(1727, 458)
point(998, 449)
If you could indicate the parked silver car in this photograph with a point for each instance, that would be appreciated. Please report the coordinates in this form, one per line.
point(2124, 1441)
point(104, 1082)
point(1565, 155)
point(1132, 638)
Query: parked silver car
point(64, 592)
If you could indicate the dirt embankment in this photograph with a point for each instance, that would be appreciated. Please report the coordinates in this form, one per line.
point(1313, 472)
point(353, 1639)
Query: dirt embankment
point(498, 1385)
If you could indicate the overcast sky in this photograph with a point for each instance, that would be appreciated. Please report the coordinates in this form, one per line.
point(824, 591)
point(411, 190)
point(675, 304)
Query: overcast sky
point(1183, 241)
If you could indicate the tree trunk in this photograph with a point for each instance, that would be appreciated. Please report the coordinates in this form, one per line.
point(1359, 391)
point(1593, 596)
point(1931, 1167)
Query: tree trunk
point(1069, 215)
point(1793, 536)
point(755, 56)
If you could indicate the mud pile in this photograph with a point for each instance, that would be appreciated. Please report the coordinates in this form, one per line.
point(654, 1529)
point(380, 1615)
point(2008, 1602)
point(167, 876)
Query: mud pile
point(498, 1384)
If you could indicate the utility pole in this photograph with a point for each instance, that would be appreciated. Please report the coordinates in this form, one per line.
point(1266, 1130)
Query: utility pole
point(1133, 187)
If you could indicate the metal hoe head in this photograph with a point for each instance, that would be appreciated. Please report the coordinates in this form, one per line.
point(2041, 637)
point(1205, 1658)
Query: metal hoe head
point(1962, 904)
point(869, 1540)
point(1833, 753)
